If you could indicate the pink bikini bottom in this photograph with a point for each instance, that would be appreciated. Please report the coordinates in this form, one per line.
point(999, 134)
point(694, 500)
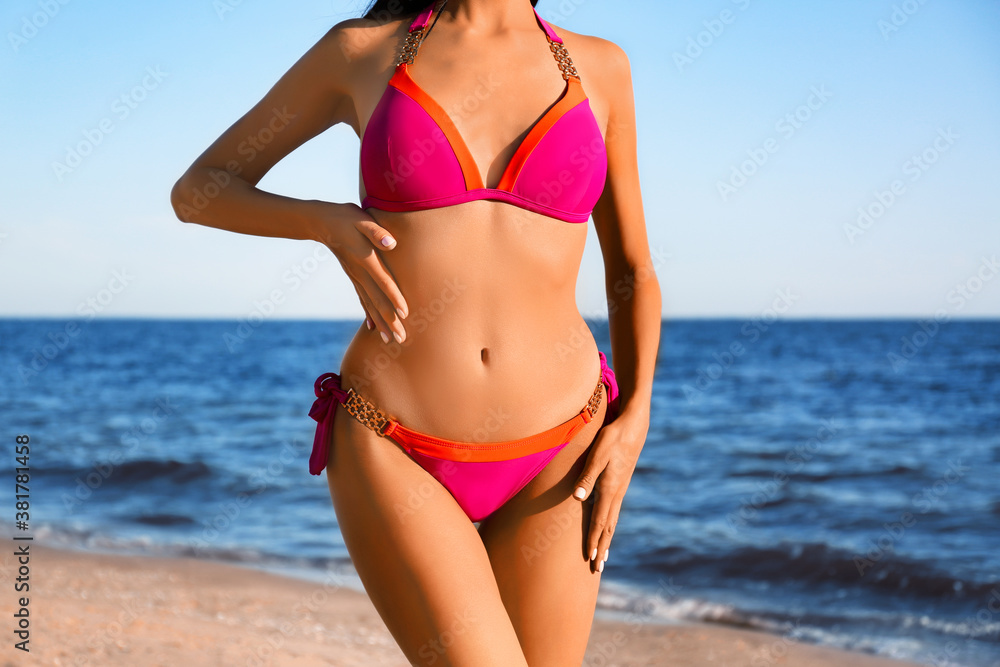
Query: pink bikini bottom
point(481, 476)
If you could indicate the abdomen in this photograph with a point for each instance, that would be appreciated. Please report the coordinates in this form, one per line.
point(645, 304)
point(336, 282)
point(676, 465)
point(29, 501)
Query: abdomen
point(495, 346)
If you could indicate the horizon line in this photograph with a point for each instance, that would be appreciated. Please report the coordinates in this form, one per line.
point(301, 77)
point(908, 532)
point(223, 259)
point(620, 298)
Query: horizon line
point(799, 318)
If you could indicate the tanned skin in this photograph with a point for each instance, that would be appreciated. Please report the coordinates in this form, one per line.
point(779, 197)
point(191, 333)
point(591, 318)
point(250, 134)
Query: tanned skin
point(493, 346)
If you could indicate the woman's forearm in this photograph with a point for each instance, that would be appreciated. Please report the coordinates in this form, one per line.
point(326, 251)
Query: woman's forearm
point(215, 198)
point(634, 322)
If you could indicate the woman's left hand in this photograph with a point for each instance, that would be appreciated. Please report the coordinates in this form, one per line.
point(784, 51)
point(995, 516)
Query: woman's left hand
point(610, 465)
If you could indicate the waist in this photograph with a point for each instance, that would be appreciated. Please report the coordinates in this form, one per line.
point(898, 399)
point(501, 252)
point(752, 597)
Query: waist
point(470, 382)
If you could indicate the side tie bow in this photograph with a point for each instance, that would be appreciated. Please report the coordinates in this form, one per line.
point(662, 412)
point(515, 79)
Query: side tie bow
point(328, 394)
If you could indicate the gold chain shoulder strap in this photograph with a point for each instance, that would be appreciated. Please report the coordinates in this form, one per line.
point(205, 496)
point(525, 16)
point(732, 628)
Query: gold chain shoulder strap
point(414, 38)
point(410, 46)
point(563, 58)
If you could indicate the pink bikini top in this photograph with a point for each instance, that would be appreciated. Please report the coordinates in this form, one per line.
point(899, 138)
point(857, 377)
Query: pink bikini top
point(413, 158)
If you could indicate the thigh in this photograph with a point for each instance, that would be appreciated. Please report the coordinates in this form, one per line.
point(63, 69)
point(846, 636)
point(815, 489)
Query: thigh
point(536, 546)
point(419, 557)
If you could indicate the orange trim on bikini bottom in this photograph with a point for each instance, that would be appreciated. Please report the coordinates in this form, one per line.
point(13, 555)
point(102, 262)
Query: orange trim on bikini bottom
point(454, 450)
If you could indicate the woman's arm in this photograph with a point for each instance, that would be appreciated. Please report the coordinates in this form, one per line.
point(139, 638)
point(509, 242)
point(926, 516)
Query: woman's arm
point(634, 298)
point(634, 310)
point(219, 188)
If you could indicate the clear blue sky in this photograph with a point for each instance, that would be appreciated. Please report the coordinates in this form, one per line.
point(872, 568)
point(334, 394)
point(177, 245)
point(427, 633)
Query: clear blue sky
point(883, 89)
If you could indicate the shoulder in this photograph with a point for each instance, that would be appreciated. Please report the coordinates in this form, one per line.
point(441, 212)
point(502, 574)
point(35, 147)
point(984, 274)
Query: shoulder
point(360, 38)
point(606, 73)
point(604, 57)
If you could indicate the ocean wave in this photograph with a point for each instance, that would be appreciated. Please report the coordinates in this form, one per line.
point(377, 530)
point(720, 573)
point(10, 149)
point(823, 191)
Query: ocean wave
point(138, 470)
point(873, 632)
point(818, 563)
point(805, 476)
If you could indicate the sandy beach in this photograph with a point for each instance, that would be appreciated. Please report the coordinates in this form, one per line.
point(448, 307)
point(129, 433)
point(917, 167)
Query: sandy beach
point(89, 609)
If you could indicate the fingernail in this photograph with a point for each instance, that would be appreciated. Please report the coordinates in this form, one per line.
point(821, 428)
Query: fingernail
point(388, 240)
point(606, 552)
point(399, 339)
point(385, 339)
point(368, 323)
point(399, 311)
point(593, 554)
point(600, 566)
point(580, 493)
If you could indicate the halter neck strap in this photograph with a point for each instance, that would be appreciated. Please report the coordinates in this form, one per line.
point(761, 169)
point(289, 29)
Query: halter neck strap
point(417, 33)
point(548, 29)
point(424, 18)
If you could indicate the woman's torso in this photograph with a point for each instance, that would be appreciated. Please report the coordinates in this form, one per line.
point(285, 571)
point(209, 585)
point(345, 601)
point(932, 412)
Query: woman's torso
point(495, 346)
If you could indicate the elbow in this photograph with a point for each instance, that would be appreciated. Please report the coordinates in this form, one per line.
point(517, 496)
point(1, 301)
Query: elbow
point(643, 276)
point(180, 200)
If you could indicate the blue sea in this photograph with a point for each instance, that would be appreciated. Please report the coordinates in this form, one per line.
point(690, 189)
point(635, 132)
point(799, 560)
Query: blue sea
point(831, 481)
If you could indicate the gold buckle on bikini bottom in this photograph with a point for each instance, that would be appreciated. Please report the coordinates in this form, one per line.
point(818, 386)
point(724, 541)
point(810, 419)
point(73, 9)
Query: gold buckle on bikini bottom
point(365, 412)
point(595, 398)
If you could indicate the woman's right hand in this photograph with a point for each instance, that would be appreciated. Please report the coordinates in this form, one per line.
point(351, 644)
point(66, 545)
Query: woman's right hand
point(353, 237)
